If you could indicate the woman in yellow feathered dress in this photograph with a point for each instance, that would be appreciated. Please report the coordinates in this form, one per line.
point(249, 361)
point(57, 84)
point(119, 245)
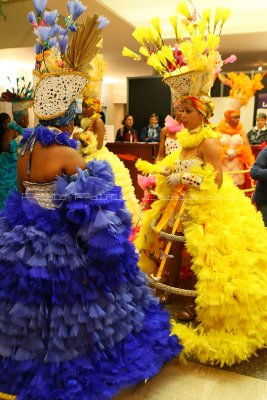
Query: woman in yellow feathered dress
point(92, 146)
point(92, 137)
point(221, 230)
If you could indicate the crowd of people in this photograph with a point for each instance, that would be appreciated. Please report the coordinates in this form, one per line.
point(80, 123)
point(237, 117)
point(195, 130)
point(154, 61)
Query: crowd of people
point(79, 314)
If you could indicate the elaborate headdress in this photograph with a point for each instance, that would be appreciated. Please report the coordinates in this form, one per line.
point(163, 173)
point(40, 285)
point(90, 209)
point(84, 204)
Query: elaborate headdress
point(93, 89)
point(20, 97)
point(242, 89)
point(190, 65)
point(61, 70)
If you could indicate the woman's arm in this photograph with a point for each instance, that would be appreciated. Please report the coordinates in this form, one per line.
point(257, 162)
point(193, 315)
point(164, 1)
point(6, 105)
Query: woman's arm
point(259, 169)
point(9, 135)
point(70, 160)
point(99, 131)
point(119, 135)
point(161, 153)
point(211, 153)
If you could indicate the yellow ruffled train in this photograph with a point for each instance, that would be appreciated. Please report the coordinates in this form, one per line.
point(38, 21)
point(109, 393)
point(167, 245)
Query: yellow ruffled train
point(227, 240)
point(121, 173)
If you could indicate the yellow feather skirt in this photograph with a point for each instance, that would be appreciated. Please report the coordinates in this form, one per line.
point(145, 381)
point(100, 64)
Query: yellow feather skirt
point(227, 240)
point(121, 174)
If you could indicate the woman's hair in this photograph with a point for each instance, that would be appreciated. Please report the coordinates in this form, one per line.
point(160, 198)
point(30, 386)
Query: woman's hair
point(124, 119)
point(3, 118)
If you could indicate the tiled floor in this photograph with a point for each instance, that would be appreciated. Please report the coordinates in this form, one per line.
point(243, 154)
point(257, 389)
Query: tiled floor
point(177, 381)
point(194, 381)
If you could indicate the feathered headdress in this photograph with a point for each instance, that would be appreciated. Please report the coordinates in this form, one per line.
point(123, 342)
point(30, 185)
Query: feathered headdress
point(93, 89)
point(188, 66)
point(20, 96)
point(242, 88)
point(61, 69)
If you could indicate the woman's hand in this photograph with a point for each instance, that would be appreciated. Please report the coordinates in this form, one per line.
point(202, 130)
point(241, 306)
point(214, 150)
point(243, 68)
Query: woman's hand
point(166, 171)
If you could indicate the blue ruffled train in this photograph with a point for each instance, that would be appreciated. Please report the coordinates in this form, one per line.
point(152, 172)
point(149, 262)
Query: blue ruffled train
point(77, 320)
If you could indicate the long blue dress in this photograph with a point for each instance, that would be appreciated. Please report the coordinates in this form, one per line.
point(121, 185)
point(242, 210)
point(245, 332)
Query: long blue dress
point(77, 320)
point(8, 171)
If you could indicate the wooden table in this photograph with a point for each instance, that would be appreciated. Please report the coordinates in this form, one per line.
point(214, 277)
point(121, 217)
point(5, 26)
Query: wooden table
point(129, 154)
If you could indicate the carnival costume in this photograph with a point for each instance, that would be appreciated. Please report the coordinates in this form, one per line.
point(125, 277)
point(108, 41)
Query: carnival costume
point(20, 99)
point(171, 141)
point(236, 152)
point(219, 227)
point(88, 139)
point(77, 319)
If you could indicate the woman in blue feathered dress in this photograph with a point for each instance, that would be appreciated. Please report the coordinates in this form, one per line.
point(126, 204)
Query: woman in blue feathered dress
point(76, 317)
point(77, 320)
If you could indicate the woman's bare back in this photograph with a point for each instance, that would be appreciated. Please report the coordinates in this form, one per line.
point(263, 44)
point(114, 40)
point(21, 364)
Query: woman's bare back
point(47, 163)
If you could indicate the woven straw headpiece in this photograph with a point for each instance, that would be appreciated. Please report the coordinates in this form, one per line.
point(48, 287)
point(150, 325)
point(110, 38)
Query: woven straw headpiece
point(61, 69)
point(189, 66)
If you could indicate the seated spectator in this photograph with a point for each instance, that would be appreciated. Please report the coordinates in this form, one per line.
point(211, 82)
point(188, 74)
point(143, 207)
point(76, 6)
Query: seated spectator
point(127, 133)
point(151, 132)
point(258, 134)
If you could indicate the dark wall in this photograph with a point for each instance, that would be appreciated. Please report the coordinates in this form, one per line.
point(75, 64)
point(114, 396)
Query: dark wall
point(147, 95)
point(263, 90)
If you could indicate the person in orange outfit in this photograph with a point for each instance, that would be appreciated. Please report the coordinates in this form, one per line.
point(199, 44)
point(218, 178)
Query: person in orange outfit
point(236, 151)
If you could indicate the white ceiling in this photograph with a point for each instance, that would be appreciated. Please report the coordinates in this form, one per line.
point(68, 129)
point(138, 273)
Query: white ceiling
point(245, 33)
point(247, 15)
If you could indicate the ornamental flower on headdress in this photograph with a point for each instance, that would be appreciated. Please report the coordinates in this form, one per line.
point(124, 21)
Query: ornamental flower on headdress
point(51, 46)
point(195, 47)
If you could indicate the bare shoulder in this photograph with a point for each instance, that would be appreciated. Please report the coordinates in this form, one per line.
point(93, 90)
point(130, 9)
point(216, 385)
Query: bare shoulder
point(210, 145)
point(70, 159)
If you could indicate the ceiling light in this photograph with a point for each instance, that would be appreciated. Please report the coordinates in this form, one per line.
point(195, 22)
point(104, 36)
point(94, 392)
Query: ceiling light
point(260, 68)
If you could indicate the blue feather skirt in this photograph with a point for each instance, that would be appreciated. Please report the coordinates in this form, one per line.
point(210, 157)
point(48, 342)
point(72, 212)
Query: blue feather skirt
point(77, 320)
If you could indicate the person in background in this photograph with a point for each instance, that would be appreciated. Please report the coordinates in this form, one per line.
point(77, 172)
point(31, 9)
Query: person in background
point(10, 140)
point(259, 173)
point(92, 143)
point(258, 134)
point(4, 121)
point(236, 152)
point(168, 135)
point(151, 132)
point(127, 133)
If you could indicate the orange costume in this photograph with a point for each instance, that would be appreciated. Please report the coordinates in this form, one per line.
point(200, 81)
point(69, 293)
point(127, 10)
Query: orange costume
point(236, 152)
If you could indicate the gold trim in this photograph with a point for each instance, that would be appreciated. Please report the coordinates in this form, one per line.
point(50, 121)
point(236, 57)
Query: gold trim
point(46, 74)
point(5, 396)
point(183, 74)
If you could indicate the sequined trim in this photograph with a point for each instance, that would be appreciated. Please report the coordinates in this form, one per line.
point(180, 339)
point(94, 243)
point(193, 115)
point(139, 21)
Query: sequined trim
point(42, 193)
point(186, 165)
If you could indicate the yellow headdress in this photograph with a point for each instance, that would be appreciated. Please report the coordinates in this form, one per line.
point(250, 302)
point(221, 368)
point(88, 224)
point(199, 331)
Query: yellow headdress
point(93, 89)
point(190, 65)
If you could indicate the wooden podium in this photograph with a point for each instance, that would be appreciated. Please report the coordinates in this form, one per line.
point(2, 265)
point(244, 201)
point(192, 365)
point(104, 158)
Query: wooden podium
point(129, 154)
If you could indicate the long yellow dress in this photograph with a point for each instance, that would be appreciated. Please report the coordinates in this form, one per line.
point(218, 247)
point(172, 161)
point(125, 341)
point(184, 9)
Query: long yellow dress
point(227, 241)
point(121, 174)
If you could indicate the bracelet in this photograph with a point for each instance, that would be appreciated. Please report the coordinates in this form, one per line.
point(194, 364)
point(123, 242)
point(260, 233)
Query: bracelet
point(191, 180)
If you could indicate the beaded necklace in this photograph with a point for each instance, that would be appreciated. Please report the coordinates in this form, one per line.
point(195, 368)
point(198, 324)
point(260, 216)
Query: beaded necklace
point(193, 138)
